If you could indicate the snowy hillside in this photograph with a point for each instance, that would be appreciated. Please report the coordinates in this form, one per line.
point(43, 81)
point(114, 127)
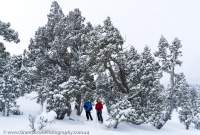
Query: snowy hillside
point(29, 106)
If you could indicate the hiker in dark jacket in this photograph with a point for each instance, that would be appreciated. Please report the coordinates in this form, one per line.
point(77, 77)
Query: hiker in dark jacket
point(99, 107)
point(88, 107)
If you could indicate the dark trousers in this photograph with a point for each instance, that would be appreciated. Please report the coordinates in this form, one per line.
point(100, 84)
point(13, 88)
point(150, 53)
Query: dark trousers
point(99, 116)
point(88, 115)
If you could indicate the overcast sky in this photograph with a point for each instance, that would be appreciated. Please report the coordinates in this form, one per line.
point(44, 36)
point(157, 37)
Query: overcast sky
point(141, 23)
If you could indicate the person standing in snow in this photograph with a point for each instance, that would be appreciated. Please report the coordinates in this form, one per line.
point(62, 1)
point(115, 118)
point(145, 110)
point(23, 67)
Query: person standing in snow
point(99, 107)
point(88, 107)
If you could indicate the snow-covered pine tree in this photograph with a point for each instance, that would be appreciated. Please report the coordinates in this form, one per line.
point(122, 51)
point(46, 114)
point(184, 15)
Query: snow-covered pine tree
point(41, 44)
point(54, 17)
point(9, 35)
point(105, 45)
point(10, 85)
point(4, 58)
point(73, 40)
point(169, 55)
point(48, 73)
point(132, 62)
point(196, 111)
point(57, 53)
point(145, 93)
point(143, 103)
point(79, 57)
point(120, 111)
point(38, 49)
point(185, 98)
point(186, 103)
point(174, 56)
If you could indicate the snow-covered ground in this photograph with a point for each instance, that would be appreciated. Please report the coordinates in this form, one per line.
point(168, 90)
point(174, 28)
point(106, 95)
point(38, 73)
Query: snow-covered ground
point(29, 106)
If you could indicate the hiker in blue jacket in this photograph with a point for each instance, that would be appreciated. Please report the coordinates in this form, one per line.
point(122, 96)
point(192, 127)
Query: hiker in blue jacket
point(88, 107)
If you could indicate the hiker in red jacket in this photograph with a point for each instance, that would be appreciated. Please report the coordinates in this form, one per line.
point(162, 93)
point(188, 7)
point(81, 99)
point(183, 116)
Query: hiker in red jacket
point(99, 107)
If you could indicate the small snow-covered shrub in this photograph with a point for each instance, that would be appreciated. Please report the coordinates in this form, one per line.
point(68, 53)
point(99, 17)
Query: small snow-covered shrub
point(51, 116)
point(120, 112)
point(41, 121)
point(44, 119)
point(31, 119)
point(110, 123)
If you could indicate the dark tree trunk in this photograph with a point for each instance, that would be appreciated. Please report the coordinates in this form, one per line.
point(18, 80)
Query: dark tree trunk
point(61, 114)
point(69, 110)
point(78, 105)
point(116, 123)
point(122, 88)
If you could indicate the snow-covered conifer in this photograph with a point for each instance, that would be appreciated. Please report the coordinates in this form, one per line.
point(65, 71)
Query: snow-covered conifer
point(169, 57)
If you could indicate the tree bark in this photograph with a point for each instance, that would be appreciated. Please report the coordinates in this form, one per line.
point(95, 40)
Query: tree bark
point(116, 123)
point(117, 82)
point(78, 105)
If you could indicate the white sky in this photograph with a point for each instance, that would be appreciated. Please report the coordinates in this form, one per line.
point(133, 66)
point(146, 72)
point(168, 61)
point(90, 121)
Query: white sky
point(141, 23)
